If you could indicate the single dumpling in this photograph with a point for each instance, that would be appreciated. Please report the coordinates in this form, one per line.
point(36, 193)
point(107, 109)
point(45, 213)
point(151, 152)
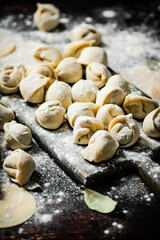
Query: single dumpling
point(19, 166)
point(138, 105)
point(17, 135)
point(84, 128)
point(151, 123)
point(60, 91)
point(6, 114)
point(85, 32)
point(101, 147)
point(125, 130)
point(80, 109)
point(98, 73)
point(10, 77)
point(50, 115)
point(33, 87)
point(69, 70)
point(46, 17)
point(115, 91)
point(107, 113)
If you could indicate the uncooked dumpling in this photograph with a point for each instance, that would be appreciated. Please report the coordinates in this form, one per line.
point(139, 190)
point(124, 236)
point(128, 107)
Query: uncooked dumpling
point(101, 147)
point(151, 123)
point(50, 115)
point(6, 114)
point(17, 135)
point(19, 166)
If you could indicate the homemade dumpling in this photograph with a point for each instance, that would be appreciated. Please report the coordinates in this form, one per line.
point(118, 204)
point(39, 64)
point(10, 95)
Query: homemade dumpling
point(151, 123)
point(46, 17)
point(17, 135)
point(84, 91)
point(115, 91)
point(107, 113)
point(6, 114)
point(125, 130)
point(33, 87)
point(69, 70)
point(60, 91)
point(10, 77)
point(84, 128)
point(138, 105)
point(101, 147)
point(50, 115)
point(19, 166)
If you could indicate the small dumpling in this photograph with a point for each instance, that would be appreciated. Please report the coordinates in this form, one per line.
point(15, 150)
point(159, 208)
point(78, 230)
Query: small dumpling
point(101, 147)
point(84, 128)
point(138, 105)
point(46, 17)
point(93, 54)
point(49, 54)
point(69, 70)
point(10, 77)
point(85, 32)
point(151, 123)
point(60, 91)
point(17, 135)
point(107, 113)
point(84, 91)
point(80, 109)
point(33, 87)
point(6, 114)
point(115, 91)
point(19, 166)
point(50, 115)
point(125, 130)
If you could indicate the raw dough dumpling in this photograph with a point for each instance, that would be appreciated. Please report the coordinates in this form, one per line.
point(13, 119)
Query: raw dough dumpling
point(6, 114)
point(84, 91)
point(138, 105)
point(80, 109)
point(7, 47)
point(69, 70)
point(115, 91)
point(33, 87)
point(98, 73)
point(50, 115)
point(151, 123)
point(10, 77)
point(107, 113)
point(93, 54)
point(84, 128)
point(60, 91)
point(49, 54)
point(46, 17)
point(125, 130)
point(17, 135)
point(102, 146)
point(19, 166)
point(85, 32)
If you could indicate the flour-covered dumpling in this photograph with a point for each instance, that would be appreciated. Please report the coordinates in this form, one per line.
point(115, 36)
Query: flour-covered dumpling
point(115, 91)
point(80, 109)
point(48, 54)
point(10, 77)
point(107, 113)
point(151, 123)
point(17, 135)
point(46, 17)
point(34, 86)
point(98, 73)
point(101, 147)
point(6, 114)
point(84, 128)
point(69, 70)
point(85, 32)
point(19, 166)
point(60, 91)
point(125, 130)
point(138, 105)
point(50, 115)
